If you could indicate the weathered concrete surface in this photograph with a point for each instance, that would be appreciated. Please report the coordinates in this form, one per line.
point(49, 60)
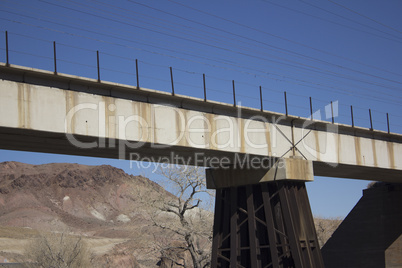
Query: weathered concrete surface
point(293, 169)
point(43, 112)
point(371, 235)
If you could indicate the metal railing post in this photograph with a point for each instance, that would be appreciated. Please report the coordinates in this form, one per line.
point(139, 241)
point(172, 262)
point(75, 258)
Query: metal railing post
point(54, 57)
point(7, 58)
point(371, 120)
point(286, 104)
point(136, 74)
point(234, 93)
point(171, 79)
point(351, 114)
point(262, 108)
point(205, 87)
point(388, 123)
point(97, 64)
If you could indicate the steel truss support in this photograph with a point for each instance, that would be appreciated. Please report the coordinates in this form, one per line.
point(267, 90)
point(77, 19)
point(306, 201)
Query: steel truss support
point(265, 225)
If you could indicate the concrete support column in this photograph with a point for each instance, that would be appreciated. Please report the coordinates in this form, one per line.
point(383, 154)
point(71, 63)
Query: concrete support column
point(264, 223)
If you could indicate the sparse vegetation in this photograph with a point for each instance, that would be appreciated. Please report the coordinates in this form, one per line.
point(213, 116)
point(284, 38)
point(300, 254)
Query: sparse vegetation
point(56, 250)
point(173, 228)
point(187, 220)
point(325, 227)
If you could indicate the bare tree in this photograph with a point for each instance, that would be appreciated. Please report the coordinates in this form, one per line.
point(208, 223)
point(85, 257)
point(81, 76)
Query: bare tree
point(56, 250)
point(325, 227)
point(183, 215)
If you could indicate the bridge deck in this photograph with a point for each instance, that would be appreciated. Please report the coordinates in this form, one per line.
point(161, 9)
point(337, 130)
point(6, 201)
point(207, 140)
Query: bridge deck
point(44, 112)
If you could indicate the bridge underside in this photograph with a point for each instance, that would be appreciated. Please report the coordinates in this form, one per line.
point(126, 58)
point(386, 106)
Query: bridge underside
point(48, 142)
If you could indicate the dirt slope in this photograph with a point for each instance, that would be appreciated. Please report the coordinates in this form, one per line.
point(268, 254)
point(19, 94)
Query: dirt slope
point(99, 202)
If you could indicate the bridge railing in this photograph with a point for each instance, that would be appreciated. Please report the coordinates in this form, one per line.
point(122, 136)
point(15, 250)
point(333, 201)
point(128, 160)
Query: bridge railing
point(36, 52)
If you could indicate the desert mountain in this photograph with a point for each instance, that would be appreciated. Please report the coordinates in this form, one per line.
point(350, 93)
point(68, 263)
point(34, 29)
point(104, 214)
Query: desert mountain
point(98, 202)
point(101, 203)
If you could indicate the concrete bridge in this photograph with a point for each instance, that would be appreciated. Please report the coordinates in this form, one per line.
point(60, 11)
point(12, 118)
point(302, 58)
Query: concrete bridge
point(56, 113)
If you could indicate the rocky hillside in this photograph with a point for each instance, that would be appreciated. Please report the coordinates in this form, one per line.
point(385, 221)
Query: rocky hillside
point(102, 203)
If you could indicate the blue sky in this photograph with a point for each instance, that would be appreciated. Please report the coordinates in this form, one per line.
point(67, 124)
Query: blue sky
point(332, 50)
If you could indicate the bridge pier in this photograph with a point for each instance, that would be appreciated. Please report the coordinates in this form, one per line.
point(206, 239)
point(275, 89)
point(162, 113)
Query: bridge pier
point(265, 224)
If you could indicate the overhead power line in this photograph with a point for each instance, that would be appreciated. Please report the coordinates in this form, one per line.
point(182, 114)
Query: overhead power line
point(247, 54)
point(281, 77)
point(296, 81)
point(284, 39)
point(336, 23)
point(366, 17)
point(258, 57)
point(315, 59)
point(345, 18)
point(253, 69)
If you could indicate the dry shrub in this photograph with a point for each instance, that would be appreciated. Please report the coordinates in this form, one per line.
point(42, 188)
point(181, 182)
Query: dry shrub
point(57, 250)
point(325, 227)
